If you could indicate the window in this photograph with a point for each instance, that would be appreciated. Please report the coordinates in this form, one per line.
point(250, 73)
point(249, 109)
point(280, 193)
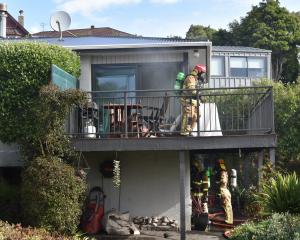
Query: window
point(256, 67)
point(238, 67)
point(253, 67)
point(113, 78)
point(217, 66)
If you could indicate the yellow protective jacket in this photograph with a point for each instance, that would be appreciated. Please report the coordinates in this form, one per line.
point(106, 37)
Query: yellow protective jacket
point(190, 83)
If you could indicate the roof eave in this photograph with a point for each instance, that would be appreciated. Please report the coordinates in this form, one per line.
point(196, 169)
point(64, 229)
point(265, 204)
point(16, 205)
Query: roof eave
point(132, 46)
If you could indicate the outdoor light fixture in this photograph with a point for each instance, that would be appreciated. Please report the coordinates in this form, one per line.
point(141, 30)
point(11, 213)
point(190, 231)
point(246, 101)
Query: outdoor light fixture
point(196, 53)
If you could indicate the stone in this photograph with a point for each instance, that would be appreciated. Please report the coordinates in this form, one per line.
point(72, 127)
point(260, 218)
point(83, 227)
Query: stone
point(165, 219)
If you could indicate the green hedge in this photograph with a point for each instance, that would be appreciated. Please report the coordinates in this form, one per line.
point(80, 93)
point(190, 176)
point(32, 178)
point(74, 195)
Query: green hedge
point(24, 68)
point(52, 195)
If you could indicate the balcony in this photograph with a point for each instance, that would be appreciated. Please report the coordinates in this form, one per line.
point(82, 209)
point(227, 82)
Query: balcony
point(151, 120)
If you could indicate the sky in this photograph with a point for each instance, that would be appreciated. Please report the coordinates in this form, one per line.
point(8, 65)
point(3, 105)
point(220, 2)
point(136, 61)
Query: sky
point(154, 18)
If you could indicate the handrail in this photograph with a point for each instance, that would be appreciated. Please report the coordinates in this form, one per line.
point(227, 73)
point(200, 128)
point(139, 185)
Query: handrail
point(126, 114)
point(173, 90)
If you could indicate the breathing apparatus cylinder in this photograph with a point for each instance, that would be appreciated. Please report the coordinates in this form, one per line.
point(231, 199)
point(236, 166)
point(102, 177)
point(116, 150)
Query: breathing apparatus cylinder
point(179, 81)
point(233, 179)
point(208, 174)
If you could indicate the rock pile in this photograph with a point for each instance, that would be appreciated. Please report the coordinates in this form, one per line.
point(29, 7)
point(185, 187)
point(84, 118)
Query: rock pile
point(156, 223)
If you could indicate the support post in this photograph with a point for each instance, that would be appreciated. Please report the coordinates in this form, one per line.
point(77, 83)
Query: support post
point(272, 156)
point(182, 194)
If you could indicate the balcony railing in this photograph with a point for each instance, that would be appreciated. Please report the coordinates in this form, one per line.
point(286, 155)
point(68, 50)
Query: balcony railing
point(158, 113)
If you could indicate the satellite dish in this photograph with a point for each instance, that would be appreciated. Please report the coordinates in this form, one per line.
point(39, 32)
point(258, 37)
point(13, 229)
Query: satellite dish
point(60, 21)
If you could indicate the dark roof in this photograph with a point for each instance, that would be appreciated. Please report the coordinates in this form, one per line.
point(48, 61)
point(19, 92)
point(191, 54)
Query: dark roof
point(14, 28)
point(92, 43)
point(92, 31)
point(238, 49)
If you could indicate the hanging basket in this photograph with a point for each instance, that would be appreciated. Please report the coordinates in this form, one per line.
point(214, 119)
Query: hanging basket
point(107, 169)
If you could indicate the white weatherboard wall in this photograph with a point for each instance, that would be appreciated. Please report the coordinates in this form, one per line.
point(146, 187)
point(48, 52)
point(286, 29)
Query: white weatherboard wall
point(143, 57)
point(149, 183)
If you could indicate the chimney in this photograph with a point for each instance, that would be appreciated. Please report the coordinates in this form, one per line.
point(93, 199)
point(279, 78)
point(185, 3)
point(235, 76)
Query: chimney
point(3, 16)
point(92, 26)
point(21, 18)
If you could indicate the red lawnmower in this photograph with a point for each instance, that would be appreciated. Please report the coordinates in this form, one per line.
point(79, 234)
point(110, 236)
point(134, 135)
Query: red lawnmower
point(94, 211)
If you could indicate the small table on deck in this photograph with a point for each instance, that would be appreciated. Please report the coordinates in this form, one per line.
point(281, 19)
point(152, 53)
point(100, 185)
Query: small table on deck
point(118, 116)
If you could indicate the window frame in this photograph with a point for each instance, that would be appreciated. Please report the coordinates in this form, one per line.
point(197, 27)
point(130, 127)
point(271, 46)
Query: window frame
point(112, 66)
point(224, 66)
point(265, 73)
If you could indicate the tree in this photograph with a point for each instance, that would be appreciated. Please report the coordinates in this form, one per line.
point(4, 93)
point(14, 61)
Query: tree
point(270, 26)
point(174, 37)
point(222, 37)
point(200, 32)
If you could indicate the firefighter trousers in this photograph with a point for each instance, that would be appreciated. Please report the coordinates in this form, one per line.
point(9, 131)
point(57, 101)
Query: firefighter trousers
point(226, 205)
point(189, 116)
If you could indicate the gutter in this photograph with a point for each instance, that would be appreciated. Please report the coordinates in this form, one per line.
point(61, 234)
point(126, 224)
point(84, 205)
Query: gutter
point(132, 46)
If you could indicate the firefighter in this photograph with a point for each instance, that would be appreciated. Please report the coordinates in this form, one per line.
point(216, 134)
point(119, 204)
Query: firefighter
point(189, 99)
point(199, 184)
point(221, 176)
point(226, 198)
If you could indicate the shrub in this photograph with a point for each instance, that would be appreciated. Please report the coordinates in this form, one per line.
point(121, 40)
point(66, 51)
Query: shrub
point(281, 194)
point(50, 138)
point(277, 227)
point(17, 232)
point(24, 68)
point(52, 195)
point(251, 208)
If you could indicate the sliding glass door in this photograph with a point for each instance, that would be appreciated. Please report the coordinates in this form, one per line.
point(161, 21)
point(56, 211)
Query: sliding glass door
point(110, 78)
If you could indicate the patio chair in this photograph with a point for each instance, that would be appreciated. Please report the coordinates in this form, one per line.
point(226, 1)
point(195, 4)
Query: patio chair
point(157, 123)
